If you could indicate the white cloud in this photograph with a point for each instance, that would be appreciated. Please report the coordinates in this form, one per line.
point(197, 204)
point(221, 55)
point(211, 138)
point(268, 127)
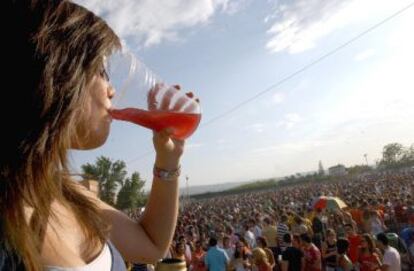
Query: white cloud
point(232, 7)
point(364, 55)
point(292, 147)
point(302, 23)
point(193, 145)
point(293, 117)
point(289, 121)
point(278, 98)
point(256, 127)
point(221, 141)
point(151, 22)
point(299, 26)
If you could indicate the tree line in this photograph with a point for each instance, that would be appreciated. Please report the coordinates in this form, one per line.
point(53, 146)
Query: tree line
point(115, 187)
point(126, 193)
point(395, 156)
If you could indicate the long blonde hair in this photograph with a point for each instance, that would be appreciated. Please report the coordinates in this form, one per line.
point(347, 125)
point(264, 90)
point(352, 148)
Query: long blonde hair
point(61, 47)
point(259, 256)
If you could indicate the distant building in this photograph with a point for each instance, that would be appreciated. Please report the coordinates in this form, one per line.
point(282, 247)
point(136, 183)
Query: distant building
point(321, 171)
point(91, 185)
point(338, 170)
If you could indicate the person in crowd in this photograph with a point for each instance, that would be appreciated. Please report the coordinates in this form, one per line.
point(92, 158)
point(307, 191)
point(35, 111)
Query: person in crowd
point(179, 253)
point(269, 232)
point(299, 226)
point(344, 263)
point(312, 254)
point(318, 228)
point(391, 260)
point(240, 260)
point(354, 240)
point(233, 237)
point(376, 224)
point(293, 258)
point(260, 260)
point(255, 227)
point(262, 243)
point(329, 250)
point(346, 219)
point(228, 248)
point(282, 229)
point(197, 258)
point(368, 259)
point(411, 247)
point(249, 236)
point(187, 248)
point(216, 258)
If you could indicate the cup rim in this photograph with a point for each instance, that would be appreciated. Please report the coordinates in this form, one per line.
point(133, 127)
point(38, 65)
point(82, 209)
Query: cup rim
point(171, 261)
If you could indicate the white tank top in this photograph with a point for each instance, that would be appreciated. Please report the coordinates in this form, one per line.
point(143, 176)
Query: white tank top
point(108, 260)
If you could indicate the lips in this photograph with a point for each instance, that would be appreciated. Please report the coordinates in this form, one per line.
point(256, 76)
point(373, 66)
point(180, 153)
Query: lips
point(108, 115)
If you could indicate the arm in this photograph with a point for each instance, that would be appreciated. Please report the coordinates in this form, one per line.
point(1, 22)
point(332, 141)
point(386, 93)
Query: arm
point(231, 265)
point(315, 260)
point(227, 262)
point(318, 261)
point(324, 248)
point(148, 240)
point(386, 262)
point(226, 259)
point(271, 258)
point(343, 263)
point(285, 265)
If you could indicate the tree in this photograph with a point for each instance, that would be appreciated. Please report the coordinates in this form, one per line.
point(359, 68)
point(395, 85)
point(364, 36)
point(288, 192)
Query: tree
point(321, 171)
point(109, 174)
point(131, 194)
point(392, 153)
point(407, 158)
point(358, 169)
point(395, 155)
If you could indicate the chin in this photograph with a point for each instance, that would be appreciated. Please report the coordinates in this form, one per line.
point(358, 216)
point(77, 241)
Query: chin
point(98, 140)
point(93, 140)
point(96, 144)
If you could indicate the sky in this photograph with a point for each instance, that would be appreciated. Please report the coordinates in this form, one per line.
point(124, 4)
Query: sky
point(350, 103)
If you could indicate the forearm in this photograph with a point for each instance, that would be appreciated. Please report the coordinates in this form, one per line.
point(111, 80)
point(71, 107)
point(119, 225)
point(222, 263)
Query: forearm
point(160, 216)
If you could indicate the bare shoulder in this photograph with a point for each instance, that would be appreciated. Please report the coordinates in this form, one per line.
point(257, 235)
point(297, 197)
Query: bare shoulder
point(128, 236)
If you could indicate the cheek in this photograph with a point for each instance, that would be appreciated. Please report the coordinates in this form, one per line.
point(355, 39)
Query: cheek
point(86, 114)
point(98, 92)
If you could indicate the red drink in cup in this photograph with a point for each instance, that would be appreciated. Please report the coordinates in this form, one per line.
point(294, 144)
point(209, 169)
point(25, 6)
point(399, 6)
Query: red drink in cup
point(182, 125)
point(143, 99)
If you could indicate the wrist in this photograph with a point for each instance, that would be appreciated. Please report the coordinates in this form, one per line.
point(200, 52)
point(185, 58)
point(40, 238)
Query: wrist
point(167, 164)
point(166, 175)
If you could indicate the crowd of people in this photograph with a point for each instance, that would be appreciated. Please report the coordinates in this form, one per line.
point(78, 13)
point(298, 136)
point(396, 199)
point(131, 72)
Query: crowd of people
point(281, 229)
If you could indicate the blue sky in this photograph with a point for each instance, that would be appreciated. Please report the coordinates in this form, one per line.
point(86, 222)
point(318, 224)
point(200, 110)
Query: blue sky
point(226, 51)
